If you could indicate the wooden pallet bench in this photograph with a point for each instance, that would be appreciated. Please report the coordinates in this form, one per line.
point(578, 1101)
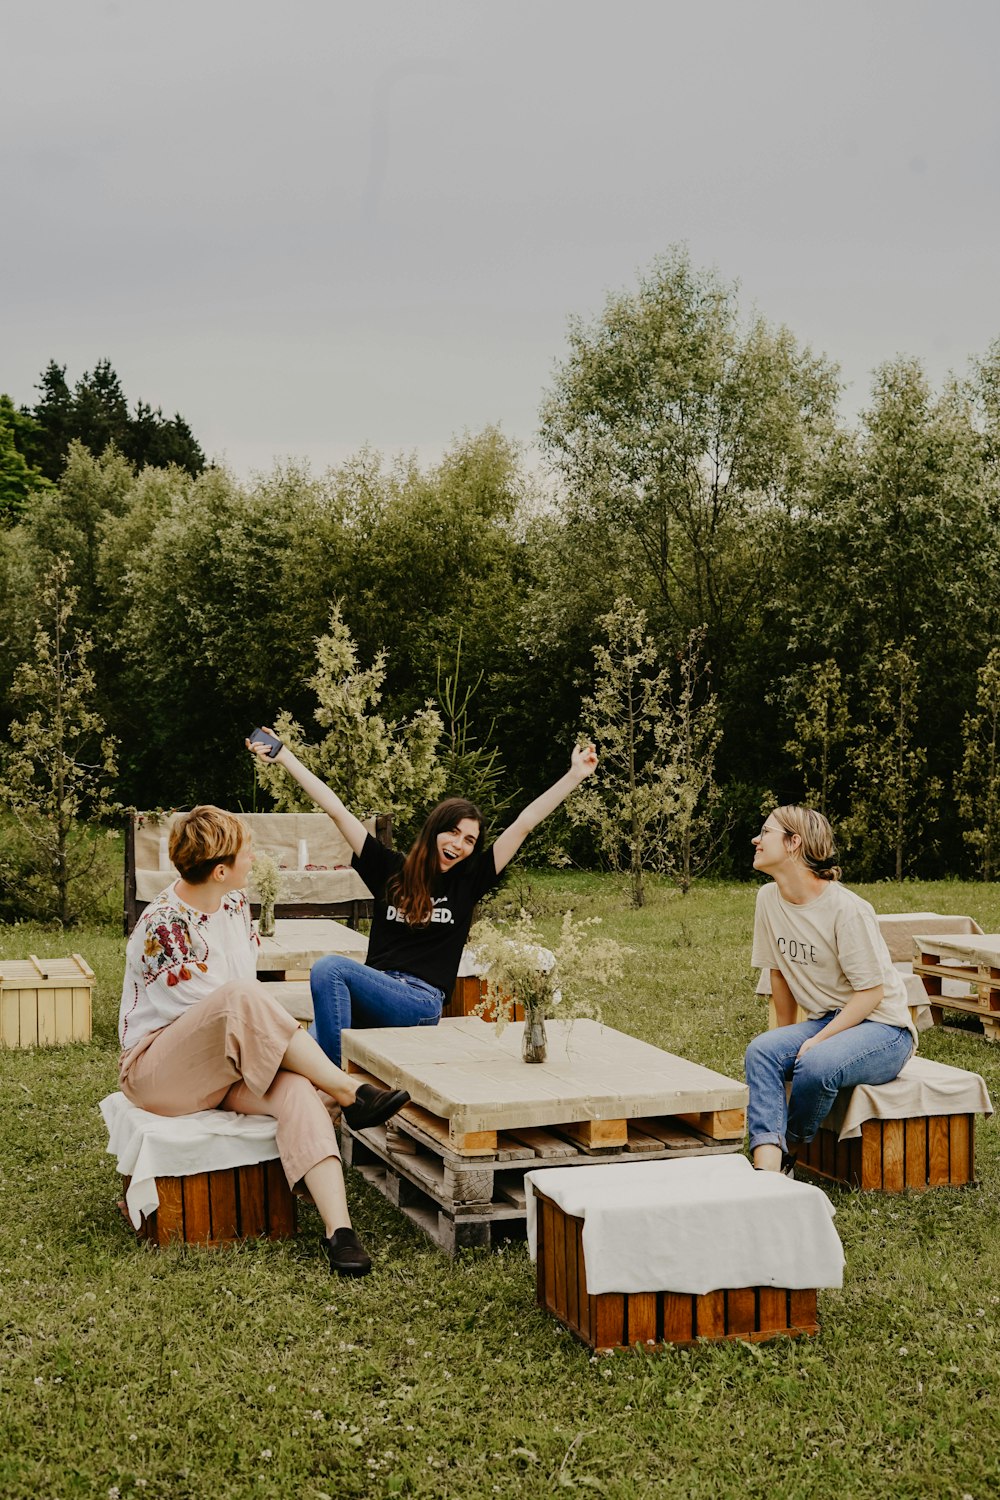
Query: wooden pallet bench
point(219, 1208)
point(969, 960)
point(620, 1320)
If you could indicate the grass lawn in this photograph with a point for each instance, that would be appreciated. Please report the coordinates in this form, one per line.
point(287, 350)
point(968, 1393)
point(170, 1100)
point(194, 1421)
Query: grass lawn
point(253, 1372)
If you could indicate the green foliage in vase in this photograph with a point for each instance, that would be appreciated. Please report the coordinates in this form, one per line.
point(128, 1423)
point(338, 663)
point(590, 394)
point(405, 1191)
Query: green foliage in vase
point(567, 980)
point(265, 876)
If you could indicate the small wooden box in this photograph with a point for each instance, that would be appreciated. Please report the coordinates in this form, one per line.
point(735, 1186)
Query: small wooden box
point(45, 1002)
point(219, 1208)
point(619, 1320)
point(890, 1155)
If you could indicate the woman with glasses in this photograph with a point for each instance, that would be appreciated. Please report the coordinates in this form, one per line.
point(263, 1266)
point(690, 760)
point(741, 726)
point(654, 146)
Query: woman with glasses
point(826, 956)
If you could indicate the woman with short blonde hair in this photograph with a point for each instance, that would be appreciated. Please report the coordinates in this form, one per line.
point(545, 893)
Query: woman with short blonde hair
point(198, 1030)
point(822, 945)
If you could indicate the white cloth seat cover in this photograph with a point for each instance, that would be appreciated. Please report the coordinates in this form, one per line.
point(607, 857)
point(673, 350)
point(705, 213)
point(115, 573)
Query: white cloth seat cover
point(148, 1146)
point(693, 1225)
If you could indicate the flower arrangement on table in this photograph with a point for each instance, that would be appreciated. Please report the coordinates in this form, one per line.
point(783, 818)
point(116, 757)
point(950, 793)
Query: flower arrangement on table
point(266, 877)
point(565, 981)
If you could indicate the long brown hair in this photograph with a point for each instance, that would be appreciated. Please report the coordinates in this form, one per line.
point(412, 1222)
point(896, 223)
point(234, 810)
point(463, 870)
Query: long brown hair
point(411, 888)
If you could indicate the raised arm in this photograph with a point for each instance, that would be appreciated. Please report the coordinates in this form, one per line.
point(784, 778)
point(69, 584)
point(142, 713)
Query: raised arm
point(583, 764)
point(352, 828)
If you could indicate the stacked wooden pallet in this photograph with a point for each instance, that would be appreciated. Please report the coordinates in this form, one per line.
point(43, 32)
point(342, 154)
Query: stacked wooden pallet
point(454, 1159)
point(475, 1198)
point(961, 959)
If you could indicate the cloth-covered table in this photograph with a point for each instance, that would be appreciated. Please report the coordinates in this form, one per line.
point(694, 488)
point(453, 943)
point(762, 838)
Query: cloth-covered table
point(694, 1225)
point(148, 1146)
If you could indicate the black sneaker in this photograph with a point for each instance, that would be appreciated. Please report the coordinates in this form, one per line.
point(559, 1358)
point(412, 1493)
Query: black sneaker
point(788, 1164)
point(373, 1106)
point(348, 1257)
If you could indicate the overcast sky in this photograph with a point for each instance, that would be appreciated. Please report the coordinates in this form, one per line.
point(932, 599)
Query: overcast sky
point(312, 225)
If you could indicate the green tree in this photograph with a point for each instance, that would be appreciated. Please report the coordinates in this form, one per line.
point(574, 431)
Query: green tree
point(95, 413)
point(821, 732)
point(470, 767)
point(677, 427)
point(894, 797)
point(978, 781)
point(647, 808)
point(19, 480)
point(374, 764)
point(58, 766)
point(687, 738)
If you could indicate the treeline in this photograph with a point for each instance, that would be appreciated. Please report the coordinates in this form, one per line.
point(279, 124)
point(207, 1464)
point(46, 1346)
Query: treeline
point(842, 581)
point(35, 440)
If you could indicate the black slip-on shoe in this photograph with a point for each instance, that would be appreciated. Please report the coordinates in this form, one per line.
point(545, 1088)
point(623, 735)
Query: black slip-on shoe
point(787, 1164)
point(348, 1257)
point(374, 1106)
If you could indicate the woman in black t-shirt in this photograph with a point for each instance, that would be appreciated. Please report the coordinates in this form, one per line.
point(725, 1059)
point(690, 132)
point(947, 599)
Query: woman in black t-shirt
point(423, 904)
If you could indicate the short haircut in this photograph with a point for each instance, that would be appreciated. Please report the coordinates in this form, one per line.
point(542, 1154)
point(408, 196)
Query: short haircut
point(203, 838)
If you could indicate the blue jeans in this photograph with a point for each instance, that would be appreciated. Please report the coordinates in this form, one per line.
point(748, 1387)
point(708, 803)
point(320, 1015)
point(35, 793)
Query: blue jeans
point(346, 993)
point(870, 1052)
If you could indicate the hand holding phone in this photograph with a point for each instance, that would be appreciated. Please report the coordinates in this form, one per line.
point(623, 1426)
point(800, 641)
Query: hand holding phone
point(265, 737)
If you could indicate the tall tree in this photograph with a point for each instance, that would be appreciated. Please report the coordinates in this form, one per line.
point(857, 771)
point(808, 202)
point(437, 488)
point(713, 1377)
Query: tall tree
point(894, 797)
point(674, 424)
point(375, 764)
point(19, 480)
point(95, 413)
point(977, 783)
point(821, 732)
point(60, 762)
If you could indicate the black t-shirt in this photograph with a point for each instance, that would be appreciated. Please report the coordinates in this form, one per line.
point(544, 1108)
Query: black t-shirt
point(432, 952)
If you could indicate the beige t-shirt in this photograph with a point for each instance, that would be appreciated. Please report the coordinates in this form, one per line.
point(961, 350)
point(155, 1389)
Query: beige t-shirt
point(827, 950)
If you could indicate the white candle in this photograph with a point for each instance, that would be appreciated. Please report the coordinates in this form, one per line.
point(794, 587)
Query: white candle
point(303, 854)
point(164, 859)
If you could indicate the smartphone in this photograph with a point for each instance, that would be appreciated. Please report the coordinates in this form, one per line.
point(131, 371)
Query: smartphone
point(263, 737)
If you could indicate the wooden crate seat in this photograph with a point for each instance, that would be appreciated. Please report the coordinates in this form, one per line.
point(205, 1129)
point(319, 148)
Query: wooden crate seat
point(918, 1131)
point(219, 1208)
point(686, 1234)
point(210, 1178)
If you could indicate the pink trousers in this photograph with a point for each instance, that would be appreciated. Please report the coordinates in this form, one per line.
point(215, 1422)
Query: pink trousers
point(225, 1053)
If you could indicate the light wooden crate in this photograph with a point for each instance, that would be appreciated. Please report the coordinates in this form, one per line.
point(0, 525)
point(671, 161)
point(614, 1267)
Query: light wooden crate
point(45, 1002)
point(619, 1320)
point(221, 1207)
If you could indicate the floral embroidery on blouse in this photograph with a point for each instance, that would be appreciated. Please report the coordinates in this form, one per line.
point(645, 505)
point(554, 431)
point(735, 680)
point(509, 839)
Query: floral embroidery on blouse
point(173, 946)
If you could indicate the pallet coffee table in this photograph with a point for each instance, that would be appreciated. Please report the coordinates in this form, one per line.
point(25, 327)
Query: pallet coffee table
point(454, 1159)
